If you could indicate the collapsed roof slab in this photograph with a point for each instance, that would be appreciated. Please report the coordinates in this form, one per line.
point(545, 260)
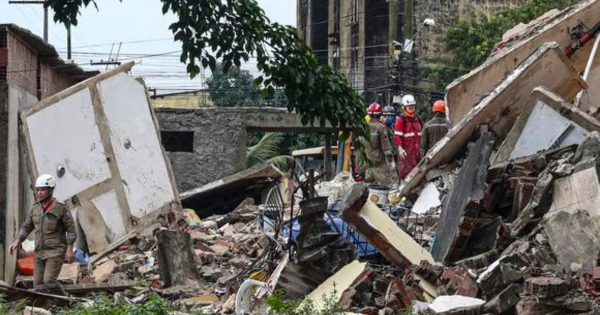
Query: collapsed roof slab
point(548, 67)
point(576, 125)
point(468, 90)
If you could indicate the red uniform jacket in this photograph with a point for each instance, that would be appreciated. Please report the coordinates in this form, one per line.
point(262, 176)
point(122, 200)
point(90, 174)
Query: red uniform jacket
point(408, 136)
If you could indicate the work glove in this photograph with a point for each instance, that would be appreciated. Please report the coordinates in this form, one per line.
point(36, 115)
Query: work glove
point(391, 164)
point(401, 153)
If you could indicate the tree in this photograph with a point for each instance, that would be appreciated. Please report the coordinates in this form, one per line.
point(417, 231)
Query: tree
point(233, 88)
point(231, 31)
point(471, 42)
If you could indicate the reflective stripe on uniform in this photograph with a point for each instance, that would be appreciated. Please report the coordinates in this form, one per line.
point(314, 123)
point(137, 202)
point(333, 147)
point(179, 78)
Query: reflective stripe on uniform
point(410, 134)
point(398, 133)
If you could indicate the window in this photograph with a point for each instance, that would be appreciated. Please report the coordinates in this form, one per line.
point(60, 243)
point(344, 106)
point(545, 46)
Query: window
point(178, 141)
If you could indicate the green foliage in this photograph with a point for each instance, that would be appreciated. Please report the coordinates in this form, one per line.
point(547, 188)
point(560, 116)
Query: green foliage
point(267, 148)
point(233, 88)
point(231, 31)
point(279, 306)
point(103, 305)
point(471, 42)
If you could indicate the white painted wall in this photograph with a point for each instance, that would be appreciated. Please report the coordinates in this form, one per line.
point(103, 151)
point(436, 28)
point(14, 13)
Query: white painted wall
point(137, 148)
point(68, 133)
point(65, 134)
point(108, 206)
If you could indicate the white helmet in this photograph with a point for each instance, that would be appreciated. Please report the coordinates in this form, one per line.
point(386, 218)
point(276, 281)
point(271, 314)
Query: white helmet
point(408, 100)
point(45, 181)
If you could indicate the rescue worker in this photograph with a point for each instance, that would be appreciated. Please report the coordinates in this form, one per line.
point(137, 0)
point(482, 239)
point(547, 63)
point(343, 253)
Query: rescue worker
point(380, 167)
point(407, 136)
point(54, 233)
point(436, 128)
point(389, 117)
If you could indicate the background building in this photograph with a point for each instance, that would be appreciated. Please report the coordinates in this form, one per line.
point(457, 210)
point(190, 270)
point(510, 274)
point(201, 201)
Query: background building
point(356, 38)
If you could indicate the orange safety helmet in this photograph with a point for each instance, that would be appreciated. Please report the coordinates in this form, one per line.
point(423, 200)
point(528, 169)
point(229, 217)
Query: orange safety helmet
point(374, 109)
point(439, 106)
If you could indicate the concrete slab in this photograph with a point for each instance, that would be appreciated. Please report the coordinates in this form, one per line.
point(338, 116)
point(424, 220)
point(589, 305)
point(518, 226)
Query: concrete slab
point(429, 198)
point(447, 303)
point(548, 116)
point(579, 191)
point(548, 66)
point(573, 237)
point(338, 283)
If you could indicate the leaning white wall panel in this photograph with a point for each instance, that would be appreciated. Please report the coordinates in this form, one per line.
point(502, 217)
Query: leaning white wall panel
point(136, 144)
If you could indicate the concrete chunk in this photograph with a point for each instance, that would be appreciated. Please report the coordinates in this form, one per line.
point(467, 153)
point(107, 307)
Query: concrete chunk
point(446, 304)
point(574, 237)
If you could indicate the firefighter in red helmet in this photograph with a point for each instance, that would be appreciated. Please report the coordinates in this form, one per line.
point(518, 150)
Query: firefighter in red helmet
point(380, 167)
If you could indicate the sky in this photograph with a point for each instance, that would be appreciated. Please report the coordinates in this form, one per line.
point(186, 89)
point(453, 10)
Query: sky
point(142, 30)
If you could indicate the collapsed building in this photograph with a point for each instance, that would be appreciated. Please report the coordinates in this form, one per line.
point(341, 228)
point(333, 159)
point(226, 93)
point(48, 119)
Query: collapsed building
point(500, 217)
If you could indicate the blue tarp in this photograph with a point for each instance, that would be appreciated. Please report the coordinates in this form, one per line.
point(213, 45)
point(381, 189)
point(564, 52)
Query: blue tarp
point(363, 247)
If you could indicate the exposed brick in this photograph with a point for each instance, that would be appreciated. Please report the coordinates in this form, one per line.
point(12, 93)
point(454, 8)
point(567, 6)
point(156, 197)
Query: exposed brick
point(21, 63)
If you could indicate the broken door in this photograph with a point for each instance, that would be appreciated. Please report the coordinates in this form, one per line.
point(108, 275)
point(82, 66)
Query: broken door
point(100, 141)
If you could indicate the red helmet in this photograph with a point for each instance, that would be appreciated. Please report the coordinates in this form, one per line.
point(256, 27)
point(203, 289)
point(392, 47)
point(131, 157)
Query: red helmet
point(439, 106)
point(374, 109)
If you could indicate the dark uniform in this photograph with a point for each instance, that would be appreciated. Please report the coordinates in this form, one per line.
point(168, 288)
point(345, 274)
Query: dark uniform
point(433, 132)
point(54, 230)
point(379, 152)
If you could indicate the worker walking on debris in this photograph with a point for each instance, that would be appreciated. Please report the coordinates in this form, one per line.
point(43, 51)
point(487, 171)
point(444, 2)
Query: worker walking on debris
point(407, 136)
point(436, 128)
point(380, 167)
point(54, 233)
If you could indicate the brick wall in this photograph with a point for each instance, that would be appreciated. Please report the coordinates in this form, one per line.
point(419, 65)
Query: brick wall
point(54, 81)
point(22, 70)
point(22, 65)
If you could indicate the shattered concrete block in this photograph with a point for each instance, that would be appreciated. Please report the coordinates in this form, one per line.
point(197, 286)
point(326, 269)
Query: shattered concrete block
point(479, 261)
point(450, 304)
point(69, 273)
point(103, 272)
point(533, 306)
point(429, 198)
point(579, 191)
point(574, 238)
point(462, 204)
point(459, 282)
point(504, 301)
point(536, 208)
point(546, 287)
point(497, 277)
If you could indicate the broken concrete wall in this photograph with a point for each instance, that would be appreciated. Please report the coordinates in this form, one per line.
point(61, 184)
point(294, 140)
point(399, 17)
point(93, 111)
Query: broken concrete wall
point(547, 122)
point(207, 144)
point(548, 67)
point(464, 93)
point(219, 144)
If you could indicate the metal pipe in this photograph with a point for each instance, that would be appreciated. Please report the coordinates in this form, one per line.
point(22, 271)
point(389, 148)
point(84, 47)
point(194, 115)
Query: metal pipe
point(588, 68)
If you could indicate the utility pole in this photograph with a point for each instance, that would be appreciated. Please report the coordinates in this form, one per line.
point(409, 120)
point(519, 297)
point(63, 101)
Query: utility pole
point(45, 13)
